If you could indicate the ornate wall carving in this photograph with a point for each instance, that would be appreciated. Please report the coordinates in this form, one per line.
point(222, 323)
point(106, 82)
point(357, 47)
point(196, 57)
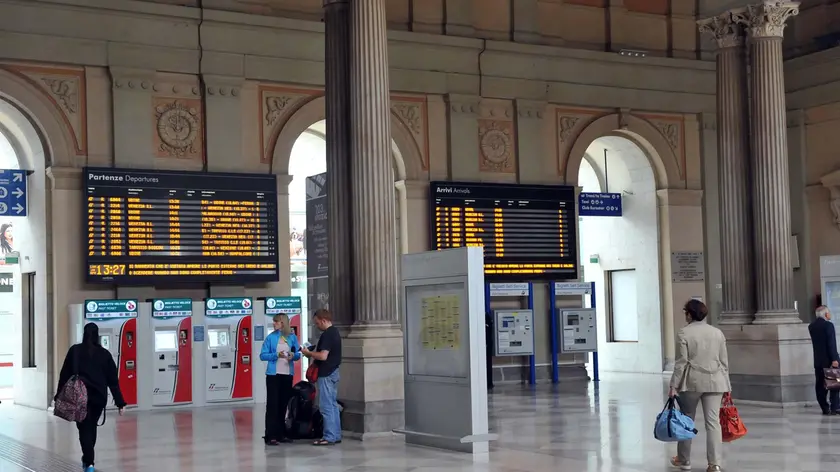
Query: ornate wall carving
point(178, 128)
point(672, 128)
point(496, 146)
point(413, 113)
point(277, 104)
point(65, 88)
point(569, 123)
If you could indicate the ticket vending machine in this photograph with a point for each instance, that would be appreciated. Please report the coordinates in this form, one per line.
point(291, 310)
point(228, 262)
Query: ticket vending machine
point(171, 327)
point(229, 368)
point(117, 321)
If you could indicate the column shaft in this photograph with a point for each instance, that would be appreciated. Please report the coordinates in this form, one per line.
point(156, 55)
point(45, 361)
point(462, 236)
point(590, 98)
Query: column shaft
point(736, 220)
point(337, 35)
point(371, 169)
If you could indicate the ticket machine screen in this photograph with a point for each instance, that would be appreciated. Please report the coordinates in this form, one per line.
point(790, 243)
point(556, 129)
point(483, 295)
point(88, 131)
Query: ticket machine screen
point(166, 341)
point(105, 341)
point(217, 338)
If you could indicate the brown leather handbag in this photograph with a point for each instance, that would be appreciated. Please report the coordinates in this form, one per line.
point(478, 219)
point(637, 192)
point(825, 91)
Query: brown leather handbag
point(832, 379)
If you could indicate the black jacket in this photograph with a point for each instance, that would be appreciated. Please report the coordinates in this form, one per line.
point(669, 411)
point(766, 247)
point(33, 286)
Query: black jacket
point(824, 342)
point(98, 372)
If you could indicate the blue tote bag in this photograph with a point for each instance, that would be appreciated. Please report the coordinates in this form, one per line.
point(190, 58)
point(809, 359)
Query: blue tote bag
point(672, 425)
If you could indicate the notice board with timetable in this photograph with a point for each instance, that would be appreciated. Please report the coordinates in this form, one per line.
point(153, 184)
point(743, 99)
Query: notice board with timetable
point(150, 227)
point(528, 232)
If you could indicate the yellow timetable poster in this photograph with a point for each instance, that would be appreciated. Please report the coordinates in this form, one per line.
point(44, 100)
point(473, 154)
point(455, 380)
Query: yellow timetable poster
point(441, 322)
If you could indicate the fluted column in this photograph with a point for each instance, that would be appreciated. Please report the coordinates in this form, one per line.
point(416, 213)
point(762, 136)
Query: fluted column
point(735, 215)
point(771, 181)
point(371, 168)
point(337, 69)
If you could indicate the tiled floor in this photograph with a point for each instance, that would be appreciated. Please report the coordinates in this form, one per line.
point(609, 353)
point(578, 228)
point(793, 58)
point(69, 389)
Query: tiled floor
point(572, 428)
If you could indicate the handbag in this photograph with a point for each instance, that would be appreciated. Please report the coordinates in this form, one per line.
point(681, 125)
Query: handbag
point(312, 373)
point(832, 379)
point(672, 425)
point(731, 426)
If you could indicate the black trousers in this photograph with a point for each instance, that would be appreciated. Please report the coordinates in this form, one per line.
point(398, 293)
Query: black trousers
point(278, 389)
point(834, 395)
point(87, 432)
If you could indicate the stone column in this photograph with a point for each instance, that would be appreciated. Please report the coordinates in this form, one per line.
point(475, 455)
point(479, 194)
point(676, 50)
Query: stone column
point(734, 171)
point(337, 64)
point(771, 182)
point(372, 372)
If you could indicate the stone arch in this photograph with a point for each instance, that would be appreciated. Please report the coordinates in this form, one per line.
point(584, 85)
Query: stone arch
point(53, 131)
point(408, 162)
point(662, 158)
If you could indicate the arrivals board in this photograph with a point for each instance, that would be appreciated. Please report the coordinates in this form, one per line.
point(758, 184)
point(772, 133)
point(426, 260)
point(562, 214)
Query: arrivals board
point(158, 227)
point(528, 232)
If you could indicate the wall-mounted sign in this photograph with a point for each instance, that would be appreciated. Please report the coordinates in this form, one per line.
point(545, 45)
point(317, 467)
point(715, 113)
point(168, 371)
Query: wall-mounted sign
point(599, 204)
point(687, 266)
point(7, 283)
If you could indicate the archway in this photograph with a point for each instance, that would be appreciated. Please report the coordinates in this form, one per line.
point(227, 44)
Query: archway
point(642, 142)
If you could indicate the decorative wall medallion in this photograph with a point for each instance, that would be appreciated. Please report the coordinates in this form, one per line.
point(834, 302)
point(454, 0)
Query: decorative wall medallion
point(65, 92)
point(671, 132)
point(567, 126)
point(496, 146)
point(411, 115)
point(274, 107)
point(178, 128)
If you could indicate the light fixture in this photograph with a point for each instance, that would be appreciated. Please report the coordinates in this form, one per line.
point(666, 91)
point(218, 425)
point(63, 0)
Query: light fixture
point(632, 53)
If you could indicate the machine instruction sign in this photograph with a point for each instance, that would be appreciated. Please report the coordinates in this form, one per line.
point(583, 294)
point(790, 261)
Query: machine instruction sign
point(12, 193)
point(688, 266)
point(283, 305)
point(229, 306)
point(171, 307)
point(516, 289)
point(100, 309)
point(572, 288)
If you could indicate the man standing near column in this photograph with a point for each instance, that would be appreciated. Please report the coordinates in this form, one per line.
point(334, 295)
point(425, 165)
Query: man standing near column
point(824, 342)
point(327, 357)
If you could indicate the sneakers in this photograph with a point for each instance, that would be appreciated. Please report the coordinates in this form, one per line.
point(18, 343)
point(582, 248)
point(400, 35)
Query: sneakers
point(676, 463)
point(713, 468)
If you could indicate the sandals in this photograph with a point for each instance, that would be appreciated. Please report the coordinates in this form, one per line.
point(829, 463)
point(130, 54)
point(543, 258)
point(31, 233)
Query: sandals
point(324, 442)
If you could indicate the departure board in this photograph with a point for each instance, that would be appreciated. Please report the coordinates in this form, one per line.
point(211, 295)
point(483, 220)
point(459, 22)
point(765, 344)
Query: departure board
point(160, 227)
point(528, 232)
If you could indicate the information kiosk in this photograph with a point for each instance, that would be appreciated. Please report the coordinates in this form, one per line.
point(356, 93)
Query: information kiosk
point(292, 307)
point(504, 304)
point(117, 321)
point(171, 324)
point(229, 356)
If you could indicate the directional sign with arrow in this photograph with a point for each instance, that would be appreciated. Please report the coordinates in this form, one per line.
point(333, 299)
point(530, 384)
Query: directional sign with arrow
point(13, 193)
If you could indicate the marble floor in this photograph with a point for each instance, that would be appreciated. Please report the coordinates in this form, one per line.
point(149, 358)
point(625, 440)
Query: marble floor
point(572, 427)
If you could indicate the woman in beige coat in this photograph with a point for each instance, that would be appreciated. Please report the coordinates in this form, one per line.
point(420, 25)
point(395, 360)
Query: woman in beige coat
point(701, 375)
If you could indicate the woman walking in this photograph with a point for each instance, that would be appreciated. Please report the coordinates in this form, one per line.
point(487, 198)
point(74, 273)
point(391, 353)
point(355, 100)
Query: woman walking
point(98, 371)
point(701, 375)
point(280, 350)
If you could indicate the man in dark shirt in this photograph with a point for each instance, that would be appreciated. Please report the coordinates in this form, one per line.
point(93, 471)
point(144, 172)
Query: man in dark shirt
point(824, 342)
point(327, 357)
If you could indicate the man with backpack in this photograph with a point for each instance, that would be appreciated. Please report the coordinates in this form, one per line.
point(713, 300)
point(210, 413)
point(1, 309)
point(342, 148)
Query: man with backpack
point(327, 357)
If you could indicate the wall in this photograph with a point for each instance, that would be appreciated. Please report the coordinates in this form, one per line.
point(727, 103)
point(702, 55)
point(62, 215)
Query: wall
point(263, 85)
point(629, 242)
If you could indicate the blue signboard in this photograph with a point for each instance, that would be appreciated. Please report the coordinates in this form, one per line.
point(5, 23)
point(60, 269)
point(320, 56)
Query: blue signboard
point(12, 193)
point(599, 204)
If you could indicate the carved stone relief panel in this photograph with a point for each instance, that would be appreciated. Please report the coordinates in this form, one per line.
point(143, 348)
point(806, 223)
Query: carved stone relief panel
point(277, 104)
point(569, 123)
point(413, 113)
point(672, 128)
point(178, 128)
point(65, 88)
point(496, 146)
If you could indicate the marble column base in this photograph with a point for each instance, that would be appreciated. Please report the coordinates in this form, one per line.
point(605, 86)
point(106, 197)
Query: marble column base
point(777, 317)
point(771, 365)
point(736, 318)
point(371, 385)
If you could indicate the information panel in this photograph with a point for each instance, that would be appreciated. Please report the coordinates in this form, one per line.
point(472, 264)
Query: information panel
point(152, 227)
point(528, 232)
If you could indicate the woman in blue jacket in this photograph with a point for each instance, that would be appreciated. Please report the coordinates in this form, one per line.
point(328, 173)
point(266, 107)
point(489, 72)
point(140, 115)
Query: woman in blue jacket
point(280, 350)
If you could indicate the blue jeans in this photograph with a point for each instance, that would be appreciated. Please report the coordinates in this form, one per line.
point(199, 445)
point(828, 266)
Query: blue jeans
point(328, 404)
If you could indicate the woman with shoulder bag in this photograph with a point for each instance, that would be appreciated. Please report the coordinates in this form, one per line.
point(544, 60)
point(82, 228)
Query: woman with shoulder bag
point(280, 350)
point(701, 375)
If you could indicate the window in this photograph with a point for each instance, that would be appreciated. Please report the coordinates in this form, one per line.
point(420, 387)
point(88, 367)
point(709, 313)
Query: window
point(623, 309)
point(28, 320)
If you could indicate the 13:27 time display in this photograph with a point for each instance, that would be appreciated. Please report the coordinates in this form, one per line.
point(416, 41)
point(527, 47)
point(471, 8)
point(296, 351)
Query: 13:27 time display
point(106, 269)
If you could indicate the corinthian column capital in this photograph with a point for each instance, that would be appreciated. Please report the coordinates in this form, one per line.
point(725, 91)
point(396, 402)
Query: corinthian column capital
point(767, 19)
point(727, 32)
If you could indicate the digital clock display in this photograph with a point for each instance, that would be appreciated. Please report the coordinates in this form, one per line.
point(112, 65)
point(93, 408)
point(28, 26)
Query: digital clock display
point(154, 227)
point(528, 232)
